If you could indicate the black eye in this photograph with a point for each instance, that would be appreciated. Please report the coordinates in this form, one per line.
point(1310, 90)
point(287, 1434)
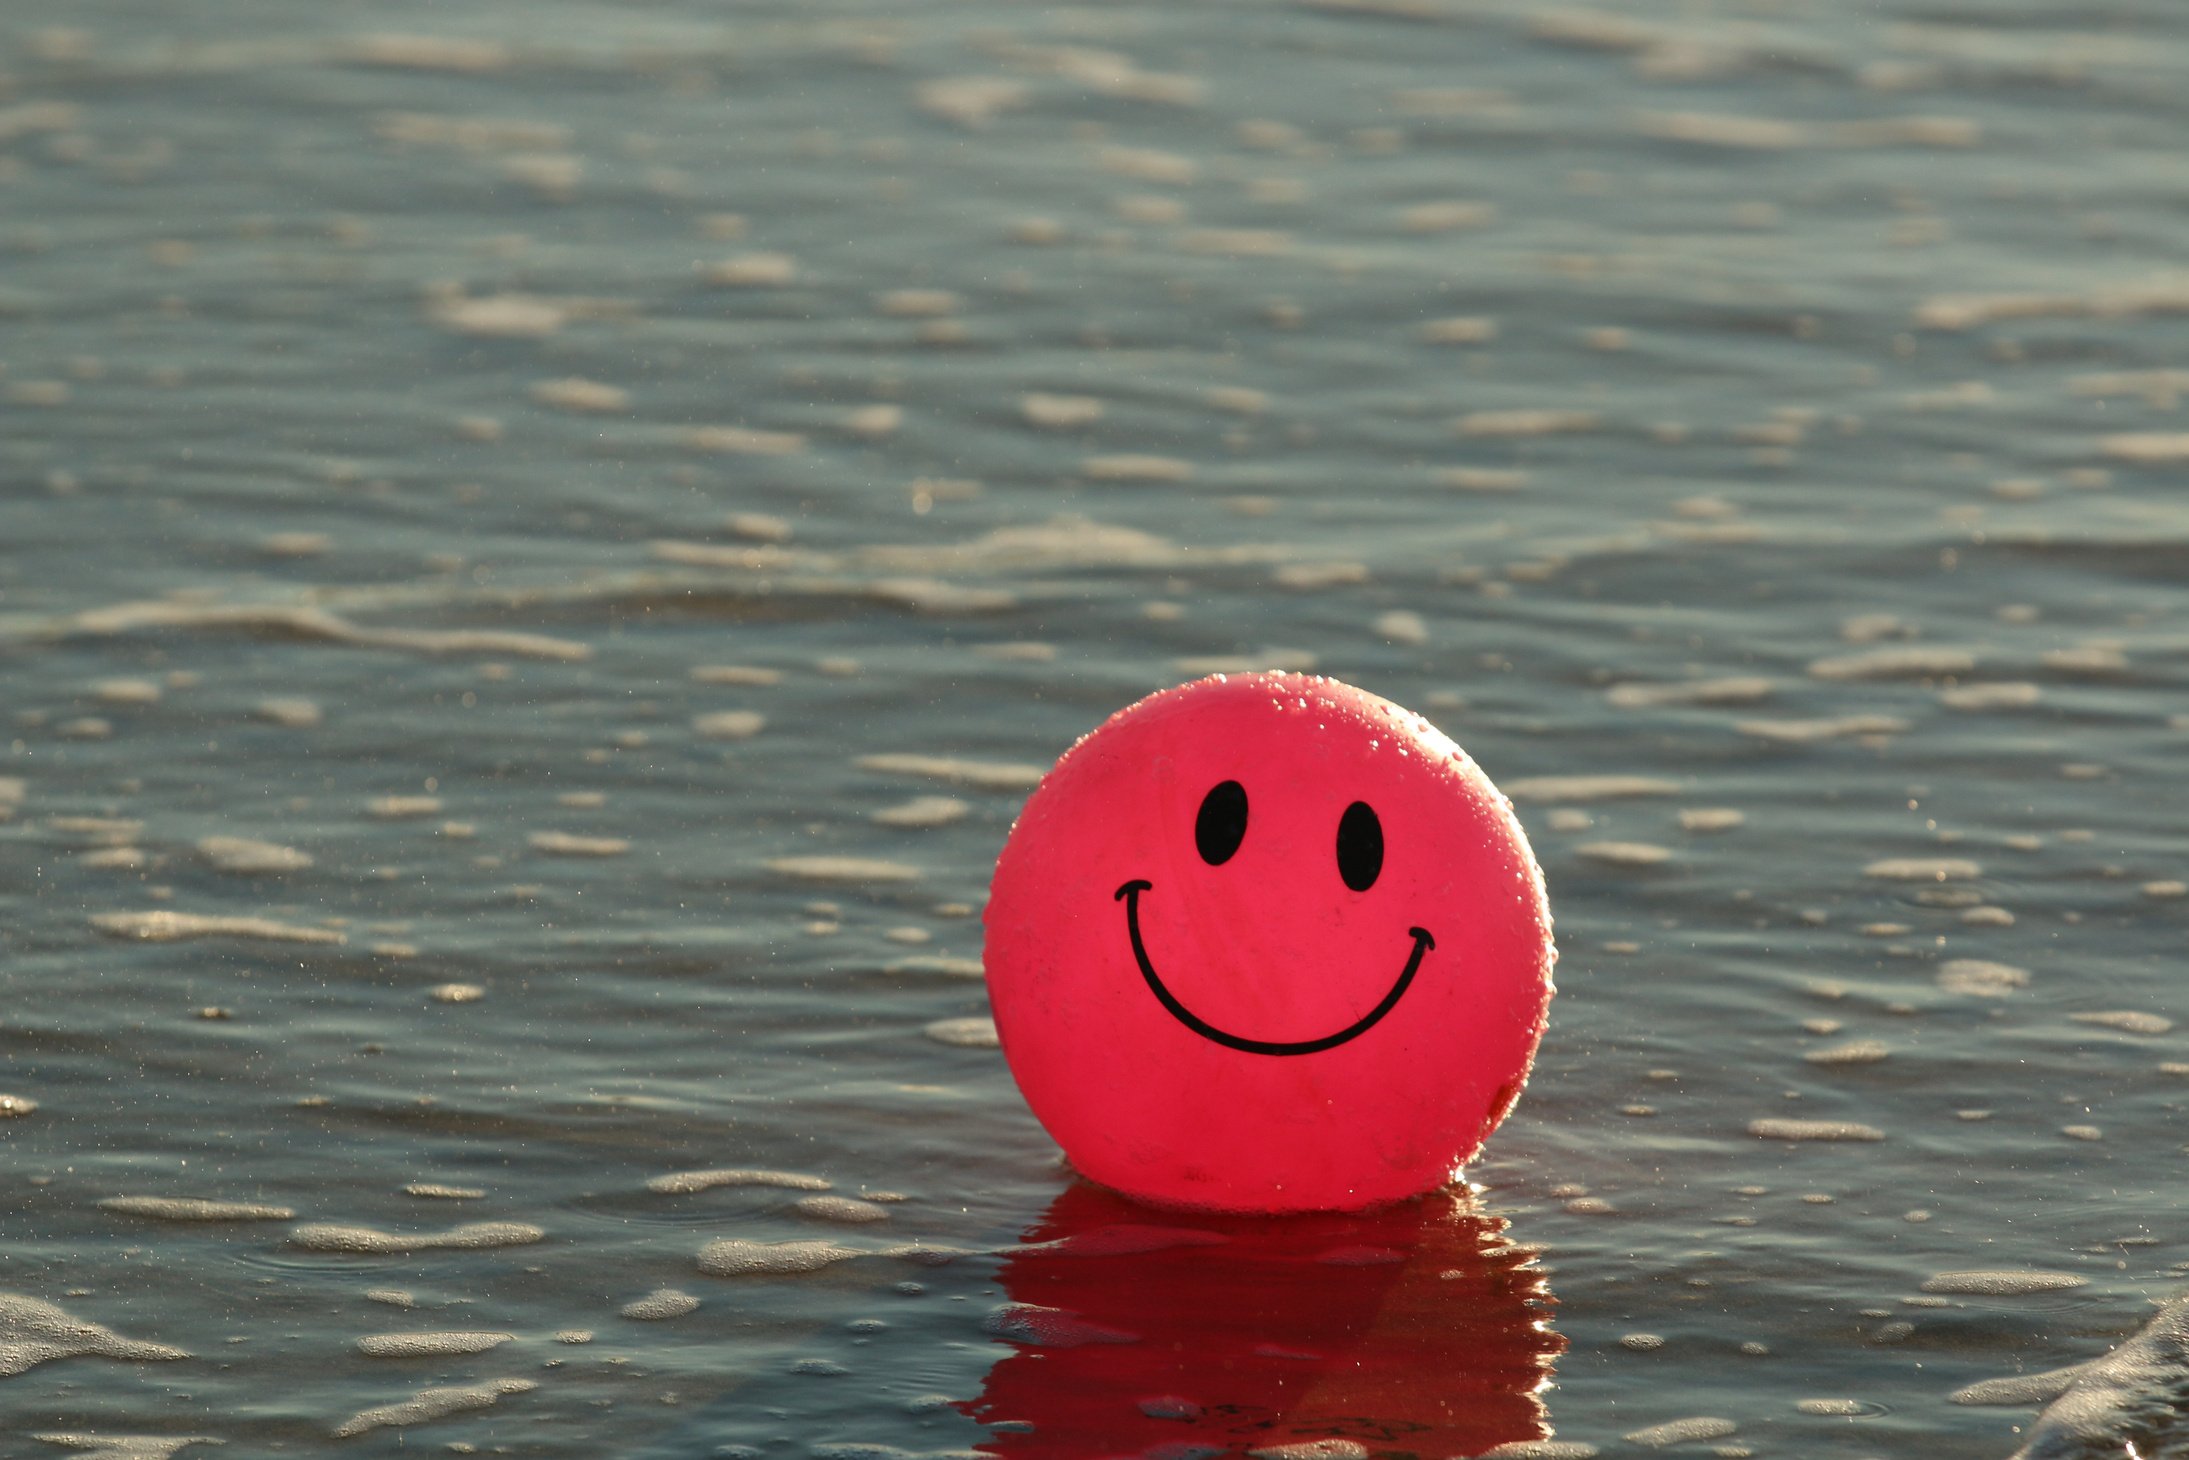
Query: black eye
point(1222, 824)
point(1360, 846)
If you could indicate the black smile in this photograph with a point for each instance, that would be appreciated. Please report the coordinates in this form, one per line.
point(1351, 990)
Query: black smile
point(1129, 894)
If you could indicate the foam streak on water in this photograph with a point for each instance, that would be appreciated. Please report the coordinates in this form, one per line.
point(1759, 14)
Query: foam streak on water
point(2130, 1401)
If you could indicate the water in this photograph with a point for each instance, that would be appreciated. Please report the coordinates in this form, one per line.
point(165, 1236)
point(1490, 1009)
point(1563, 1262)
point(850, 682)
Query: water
point(576, 523)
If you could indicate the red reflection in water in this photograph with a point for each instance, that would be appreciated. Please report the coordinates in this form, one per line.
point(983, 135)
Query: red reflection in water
point(1419, 1330)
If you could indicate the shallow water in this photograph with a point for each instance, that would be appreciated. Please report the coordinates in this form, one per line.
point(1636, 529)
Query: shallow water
point(545, 544)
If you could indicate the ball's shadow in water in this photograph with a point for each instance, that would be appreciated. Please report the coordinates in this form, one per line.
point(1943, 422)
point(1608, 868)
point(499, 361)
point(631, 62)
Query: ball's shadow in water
point(1417, 1329)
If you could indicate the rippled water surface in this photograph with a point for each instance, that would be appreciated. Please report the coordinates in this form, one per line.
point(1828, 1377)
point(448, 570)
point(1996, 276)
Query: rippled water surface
point(542, 546)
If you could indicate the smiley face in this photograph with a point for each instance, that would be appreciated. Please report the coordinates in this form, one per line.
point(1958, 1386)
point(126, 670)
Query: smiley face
point(1217, 832)
point(1268, 942)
